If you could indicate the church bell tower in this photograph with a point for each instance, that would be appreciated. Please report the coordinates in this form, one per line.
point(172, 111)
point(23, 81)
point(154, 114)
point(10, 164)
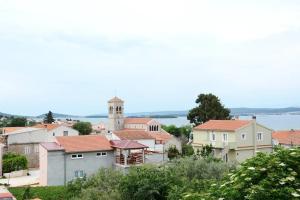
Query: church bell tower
point(115, 114)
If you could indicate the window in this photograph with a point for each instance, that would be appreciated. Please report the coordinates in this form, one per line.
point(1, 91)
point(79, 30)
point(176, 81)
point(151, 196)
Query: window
point(225, 137)
point(225, 157)
point(66, 133)
point(213, 137)
point(243, 136)
point(76, 156)
point(101, 154)
point(27, 150)
point(79, 174)
point(259, 136)
point(53, 134)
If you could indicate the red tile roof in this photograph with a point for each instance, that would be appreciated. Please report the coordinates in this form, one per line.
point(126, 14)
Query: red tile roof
point(11, 129)
point(133, 134)
point(84, 143)
point(127, 144)
point(137, 120)
point(161, 136)
point(49, 127)
point(287, 137)
point(223, 125)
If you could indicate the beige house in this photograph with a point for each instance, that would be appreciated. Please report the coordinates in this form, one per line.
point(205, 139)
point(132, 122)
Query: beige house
point(233, 140)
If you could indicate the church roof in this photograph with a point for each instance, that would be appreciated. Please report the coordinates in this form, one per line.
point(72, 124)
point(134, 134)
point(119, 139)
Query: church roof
point(129, 120)
point(115, 99)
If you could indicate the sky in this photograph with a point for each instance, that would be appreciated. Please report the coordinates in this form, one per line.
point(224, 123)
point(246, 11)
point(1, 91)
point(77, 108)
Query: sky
point(72, 56)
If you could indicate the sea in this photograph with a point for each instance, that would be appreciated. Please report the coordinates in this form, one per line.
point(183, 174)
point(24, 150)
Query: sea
point(275, 122)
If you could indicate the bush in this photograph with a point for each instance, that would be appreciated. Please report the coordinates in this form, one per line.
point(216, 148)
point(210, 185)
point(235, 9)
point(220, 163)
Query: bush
point(187, 150)
point(103, 185)
point(14, 162)
point(266, 177)
point(45, 193)
point(173, 152)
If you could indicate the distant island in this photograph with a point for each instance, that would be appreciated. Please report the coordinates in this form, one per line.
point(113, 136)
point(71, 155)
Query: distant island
point(175, 114)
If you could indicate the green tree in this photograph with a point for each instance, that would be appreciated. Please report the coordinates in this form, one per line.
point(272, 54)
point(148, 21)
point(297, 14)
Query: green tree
point(183, 131)
point(84, 128)
point(187, 150)
point(173, 152)
point(49, 118)
point(209, 108)
point(18, 122)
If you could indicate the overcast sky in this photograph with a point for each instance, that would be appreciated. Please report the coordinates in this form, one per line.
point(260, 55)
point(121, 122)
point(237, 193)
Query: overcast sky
point(72, 56)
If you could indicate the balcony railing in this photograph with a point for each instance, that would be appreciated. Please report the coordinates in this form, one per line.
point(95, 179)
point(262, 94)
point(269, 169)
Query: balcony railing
point(132, 159)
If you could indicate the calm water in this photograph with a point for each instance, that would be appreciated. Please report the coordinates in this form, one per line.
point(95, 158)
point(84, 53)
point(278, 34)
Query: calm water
point(276, 122)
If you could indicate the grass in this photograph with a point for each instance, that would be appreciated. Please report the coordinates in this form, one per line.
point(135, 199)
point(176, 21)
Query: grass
point(44, 193)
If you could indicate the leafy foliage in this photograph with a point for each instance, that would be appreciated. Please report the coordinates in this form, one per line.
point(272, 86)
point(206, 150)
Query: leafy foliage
point(13, 162)
point(187, 150)
point(18, 122)
point(103, 185)
point(209, 108)
point(173, 152)
point(206, 151)
point(183, 131)
point(49, 118)
point(45, 193)
point(273, 176)
point(84, 128)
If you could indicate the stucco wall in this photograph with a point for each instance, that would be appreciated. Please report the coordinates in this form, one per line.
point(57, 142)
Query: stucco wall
point(43, 160)
point(90, 163)
point(55, 168)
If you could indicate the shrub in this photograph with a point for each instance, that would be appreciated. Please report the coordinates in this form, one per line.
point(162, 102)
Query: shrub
point(187, 150)
point(173, 152)
point(13, 162)
point(45, 193)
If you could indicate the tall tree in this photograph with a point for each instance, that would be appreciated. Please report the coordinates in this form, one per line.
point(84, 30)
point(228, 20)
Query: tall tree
point(210, 107)
point(49, 118)
point(84, 128)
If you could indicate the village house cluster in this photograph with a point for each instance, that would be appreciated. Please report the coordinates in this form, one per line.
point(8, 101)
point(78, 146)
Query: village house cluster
point(61, 154)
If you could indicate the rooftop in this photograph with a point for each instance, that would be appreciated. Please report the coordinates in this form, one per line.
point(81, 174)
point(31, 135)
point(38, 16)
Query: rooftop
point(84, 143)
point(223, 125)
point(115, 99)
point(127, 144)
point(16, 130)
point(52, 146)
point(133, 134)
point(129, 120)
point(49, 127)
point(287, 137)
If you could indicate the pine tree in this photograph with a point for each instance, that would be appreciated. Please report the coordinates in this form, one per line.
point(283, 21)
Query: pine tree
point(49, 118)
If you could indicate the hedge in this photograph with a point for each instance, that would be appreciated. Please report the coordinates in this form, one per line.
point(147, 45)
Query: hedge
point(13, 162)
point(45, 193)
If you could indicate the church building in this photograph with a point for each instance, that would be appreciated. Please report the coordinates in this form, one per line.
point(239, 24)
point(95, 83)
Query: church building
point(146, 131)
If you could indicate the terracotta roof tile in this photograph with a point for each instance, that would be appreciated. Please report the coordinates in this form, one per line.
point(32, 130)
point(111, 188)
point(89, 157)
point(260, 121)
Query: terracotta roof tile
point(12, 129)
point(49, 127)
point(223, 125)
point(84, 143)
point(127, 144)
point(287, 137)
point(161, 136)
point(133, 134)
point(129, 120)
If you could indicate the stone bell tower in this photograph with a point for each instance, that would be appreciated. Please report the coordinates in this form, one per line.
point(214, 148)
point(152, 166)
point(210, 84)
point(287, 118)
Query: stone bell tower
point(115, 114)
